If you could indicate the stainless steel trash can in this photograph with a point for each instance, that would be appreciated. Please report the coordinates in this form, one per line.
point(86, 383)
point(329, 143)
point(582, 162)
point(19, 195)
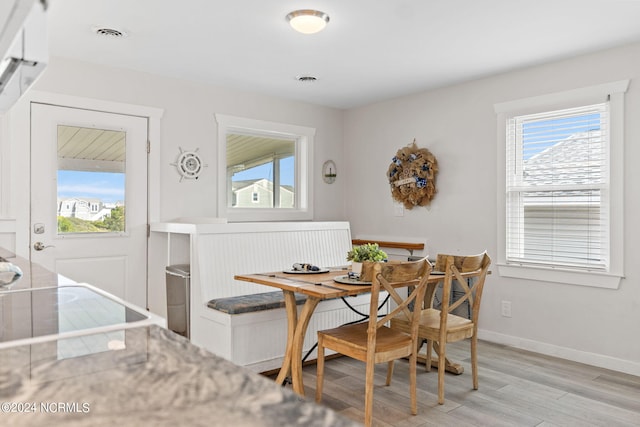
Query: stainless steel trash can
point(178, 292)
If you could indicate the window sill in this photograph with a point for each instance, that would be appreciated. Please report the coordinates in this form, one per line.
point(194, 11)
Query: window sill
point(556, 275)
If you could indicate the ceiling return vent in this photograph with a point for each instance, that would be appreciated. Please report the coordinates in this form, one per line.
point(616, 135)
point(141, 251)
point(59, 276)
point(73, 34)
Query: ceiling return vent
point(307, 79)
point(109, 32)
point(23, 46)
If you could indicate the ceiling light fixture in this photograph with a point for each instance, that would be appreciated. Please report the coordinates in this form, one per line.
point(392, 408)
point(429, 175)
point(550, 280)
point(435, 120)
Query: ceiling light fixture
point(308, 21)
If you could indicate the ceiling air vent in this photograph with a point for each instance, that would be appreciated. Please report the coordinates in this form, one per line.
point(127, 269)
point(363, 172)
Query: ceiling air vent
point(109, 32)
point(306, 79)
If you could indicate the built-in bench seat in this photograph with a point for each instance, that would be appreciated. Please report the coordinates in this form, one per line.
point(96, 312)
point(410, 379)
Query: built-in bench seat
point(247, 322)
point(270, 300)
point(252, 303)
point(235, 319)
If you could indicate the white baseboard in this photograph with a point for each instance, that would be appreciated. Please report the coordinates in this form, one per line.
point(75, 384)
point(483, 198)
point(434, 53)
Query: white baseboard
point(594, 359)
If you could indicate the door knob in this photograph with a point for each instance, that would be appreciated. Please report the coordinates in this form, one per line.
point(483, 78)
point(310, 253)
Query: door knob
point(38, 246)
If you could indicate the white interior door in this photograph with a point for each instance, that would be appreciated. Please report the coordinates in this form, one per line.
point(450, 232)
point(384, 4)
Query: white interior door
point(89, 197)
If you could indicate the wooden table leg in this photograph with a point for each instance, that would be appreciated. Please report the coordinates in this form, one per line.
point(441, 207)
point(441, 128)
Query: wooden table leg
point(454, 368)
point(298, 342)
point(292, 321)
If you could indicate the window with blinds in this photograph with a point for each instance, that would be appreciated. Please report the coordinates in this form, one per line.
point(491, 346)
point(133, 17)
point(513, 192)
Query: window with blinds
point(557, 188)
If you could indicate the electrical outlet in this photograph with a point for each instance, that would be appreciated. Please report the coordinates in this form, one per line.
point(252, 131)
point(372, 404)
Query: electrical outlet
point(506, 308)
point(398, 210)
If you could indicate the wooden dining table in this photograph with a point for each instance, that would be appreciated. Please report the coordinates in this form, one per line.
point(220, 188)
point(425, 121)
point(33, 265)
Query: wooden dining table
point(317, 287)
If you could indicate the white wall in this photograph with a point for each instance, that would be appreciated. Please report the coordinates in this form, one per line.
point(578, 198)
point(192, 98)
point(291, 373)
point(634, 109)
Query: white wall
point(458, 125)
point(187, 121)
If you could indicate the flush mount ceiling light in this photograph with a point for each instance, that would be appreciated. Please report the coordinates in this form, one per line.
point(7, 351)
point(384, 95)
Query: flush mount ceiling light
point(308, 21)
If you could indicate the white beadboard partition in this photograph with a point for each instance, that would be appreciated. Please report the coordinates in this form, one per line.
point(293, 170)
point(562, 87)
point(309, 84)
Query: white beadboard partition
point(220, 251)
point(240, 248)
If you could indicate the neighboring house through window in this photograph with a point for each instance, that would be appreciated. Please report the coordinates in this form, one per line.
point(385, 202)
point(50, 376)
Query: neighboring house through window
point(562, 187)
point(558, 188)
point(264, 170)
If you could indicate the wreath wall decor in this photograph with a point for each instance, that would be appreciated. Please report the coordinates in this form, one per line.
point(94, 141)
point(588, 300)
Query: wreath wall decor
point(412, 176)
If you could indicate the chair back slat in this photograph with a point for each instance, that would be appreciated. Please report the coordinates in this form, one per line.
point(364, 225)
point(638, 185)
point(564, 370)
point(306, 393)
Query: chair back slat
point(390, 277)
point(475, 269)
point(464, 263)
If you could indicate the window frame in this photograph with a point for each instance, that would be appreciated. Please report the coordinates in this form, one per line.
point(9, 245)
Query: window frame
point(303, 166)
point(548, 201)
point(614, 91)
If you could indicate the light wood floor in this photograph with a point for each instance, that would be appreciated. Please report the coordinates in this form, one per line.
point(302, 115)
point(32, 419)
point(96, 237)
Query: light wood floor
point(517, 388)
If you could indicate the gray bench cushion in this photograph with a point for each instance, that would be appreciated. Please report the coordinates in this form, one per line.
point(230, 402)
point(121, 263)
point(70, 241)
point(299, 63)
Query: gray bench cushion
point(251, 303)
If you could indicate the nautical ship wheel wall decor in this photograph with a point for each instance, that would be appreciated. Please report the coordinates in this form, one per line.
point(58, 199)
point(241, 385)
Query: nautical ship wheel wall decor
point(412, 176)
point(189, 164)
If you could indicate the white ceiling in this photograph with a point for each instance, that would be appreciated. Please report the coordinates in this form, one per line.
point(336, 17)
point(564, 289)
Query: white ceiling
point(371, 50)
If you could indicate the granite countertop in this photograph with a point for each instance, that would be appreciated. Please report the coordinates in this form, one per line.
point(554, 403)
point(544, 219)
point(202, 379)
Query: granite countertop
point(140, 376)
point(157, 378)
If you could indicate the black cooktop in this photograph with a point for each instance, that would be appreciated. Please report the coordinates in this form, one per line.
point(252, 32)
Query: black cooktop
point(39, 312)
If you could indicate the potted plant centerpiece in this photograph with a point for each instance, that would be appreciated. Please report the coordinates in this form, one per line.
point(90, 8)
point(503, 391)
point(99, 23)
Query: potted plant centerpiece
point(362, 259)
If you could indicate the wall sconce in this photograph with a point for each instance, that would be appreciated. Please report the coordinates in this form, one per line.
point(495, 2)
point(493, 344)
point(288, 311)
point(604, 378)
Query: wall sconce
point(329, 172)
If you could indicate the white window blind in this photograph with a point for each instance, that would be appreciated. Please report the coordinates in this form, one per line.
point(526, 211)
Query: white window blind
point(557, 188)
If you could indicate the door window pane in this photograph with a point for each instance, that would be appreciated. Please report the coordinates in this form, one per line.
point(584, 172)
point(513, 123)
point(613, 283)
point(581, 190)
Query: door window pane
point(90, 180)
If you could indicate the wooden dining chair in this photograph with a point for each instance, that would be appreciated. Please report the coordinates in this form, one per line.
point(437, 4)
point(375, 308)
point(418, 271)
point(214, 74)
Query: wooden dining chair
point(440, 326)
point(373, 341)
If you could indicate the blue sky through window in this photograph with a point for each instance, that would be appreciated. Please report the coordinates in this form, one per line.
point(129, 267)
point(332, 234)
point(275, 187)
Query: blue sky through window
point(106, 186)
point(110, 187)
point(266, 171)
point(539, 135)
